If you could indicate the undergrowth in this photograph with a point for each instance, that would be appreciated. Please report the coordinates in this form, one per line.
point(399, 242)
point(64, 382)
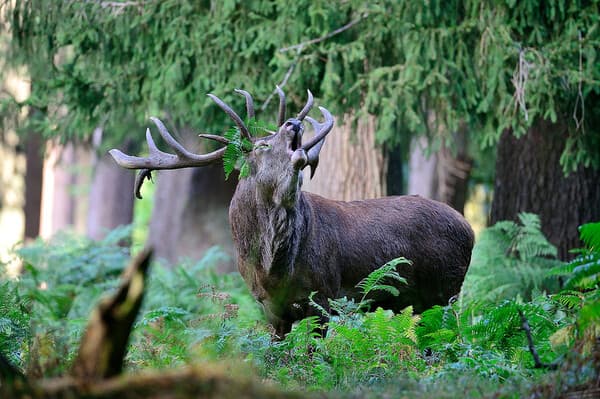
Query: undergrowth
point(473, 347)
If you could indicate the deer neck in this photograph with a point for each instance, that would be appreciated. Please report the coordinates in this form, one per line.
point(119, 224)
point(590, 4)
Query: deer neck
point(276, 228)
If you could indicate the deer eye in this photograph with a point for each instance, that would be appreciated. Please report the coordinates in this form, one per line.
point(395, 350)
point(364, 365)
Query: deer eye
point(262, 146)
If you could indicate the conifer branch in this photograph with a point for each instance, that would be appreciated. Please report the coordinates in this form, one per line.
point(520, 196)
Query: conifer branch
point(300, 46)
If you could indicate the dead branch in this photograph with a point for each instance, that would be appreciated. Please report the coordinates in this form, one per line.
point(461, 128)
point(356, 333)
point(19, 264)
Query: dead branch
point(184, 383)
point(104, 342)
point(285, 79)
point(301, 46)
point(536, 357)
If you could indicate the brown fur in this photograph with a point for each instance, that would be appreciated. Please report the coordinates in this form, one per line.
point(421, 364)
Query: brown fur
point(290, 243)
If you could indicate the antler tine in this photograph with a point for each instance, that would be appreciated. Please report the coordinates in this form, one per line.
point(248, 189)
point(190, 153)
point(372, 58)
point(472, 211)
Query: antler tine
point(214, 137)
point(249, 102)
point(321, 129)
point(158, 159)
point(307, 107)
point(236, 118)
point(281, 114)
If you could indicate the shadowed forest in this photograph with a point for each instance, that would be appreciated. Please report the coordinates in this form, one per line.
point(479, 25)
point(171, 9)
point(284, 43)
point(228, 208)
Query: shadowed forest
point(208, 273)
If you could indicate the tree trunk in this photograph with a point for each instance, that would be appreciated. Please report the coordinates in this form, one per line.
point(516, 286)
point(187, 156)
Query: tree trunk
point(422, 178)
point(58, 203)
point(351, 166)
point(33, 185)
point(190, 214)
point(111, 199)
point(529, 178)
point(395, 180)
point(442, 176)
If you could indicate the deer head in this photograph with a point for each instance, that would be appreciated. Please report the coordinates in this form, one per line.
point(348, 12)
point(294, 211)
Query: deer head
point(275, 161)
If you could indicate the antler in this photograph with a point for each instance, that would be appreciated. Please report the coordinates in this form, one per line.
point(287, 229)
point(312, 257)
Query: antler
point(158, 159)
point(309, 103)
point(281, 114)
point(321, 129)
point(236, 118)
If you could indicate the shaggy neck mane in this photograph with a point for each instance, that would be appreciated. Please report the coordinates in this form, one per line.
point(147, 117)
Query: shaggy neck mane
point(279, 225)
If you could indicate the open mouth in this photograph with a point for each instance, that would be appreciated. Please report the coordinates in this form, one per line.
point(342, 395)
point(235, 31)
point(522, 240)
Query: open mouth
point(296, 141)
point(294, 127)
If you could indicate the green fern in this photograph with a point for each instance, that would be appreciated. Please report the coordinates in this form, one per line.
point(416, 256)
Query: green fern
point(375, 280)
point(581, 289)
point(583, 272)
point(511, 259)
point(234, 157)
point(590, 235)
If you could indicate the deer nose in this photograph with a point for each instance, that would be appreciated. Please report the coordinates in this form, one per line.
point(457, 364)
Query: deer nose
point(293, 124)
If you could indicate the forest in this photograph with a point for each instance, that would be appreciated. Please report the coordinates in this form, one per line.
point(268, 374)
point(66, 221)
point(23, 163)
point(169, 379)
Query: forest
point(220, 278)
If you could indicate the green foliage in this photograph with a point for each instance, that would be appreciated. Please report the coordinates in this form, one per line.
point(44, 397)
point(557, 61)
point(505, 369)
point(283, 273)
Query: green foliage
point(45, 310)
point(234, 157)
point(47, 307)
point(511, 259)
point(473, 347)
point(494, 66)
point(375, 280)
point(582, 286)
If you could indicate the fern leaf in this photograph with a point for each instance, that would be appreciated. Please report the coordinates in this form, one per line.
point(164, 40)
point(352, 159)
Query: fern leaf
point(388, 271)
point(590, 235)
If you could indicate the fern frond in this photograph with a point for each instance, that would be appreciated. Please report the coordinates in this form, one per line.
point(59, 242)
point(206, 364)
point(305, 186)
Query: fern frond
point(590, 235)
point(234, 157)
point(511, 259)
point(569, 298)
point(373, 282)
point(315, 305)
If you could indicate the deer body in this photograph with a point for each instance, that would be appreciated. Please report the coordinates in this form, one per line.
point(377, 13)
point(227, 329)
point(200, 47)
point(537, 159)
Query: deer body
point(329, 246)
point(290, 243)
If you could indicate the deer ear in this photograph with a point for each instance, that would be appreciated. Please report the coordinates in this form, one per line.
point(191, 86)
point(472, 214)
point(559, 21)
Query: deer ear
point(313, 157)
point(299, 159)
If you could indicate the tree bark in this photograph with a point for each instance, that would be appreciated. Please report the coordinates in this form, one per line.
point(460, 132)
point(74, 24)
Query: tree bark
point(351, 165)
point(111, 201)
point(422, 178)
point(33, 185)
point(190, 214)
point(529, 178)
point(395, 180)
point(58, 203)
point(442, 176)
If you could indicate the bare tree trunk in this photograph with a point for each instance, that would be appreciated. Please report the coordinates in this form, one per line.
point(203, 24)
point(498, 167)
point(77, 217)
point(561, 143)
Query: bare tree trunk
point(351, 165)
point(442, 176)
point(58, 203)
point(190, 214)
point(111, 202)
point(191, 210)
point(422, 178)
point(529, 178)
point(33, 184)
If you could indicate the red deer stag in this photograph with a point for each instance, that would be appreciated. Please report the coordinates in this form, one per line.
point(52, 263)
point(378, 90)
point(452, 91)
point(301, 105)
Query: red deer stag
point(290, 243)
